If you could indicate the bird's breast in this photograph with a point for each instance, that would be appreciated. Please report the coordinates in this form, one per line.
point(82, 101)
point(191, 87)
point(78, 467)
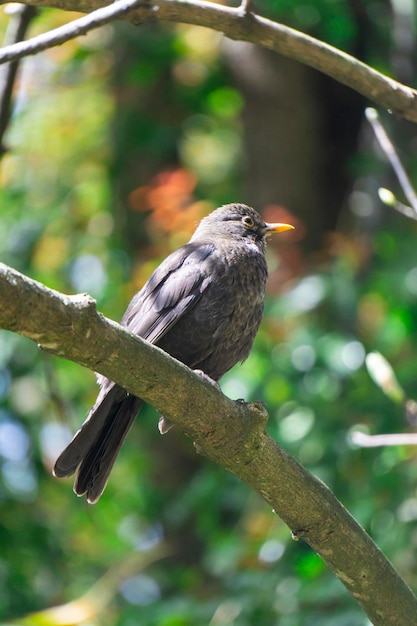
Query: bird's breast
point(219, 330)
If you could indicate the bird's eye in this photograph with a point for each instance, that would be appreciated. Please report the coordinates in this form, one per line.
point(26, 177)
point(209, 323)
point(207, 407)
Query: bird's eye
point(248, 221)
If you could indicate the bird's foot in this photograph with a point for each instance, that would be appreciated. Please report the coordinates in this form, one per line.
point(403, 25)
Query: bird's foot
point(164, 425)
point(207, 378)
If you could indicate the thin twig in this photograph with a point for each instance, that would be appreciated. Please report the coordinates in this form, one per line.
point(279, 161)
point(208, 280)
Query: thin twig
point(392, 156)
point(19, 23)
point(246, 7)
point(375, 441)
point(389, 199)
point(60, 35)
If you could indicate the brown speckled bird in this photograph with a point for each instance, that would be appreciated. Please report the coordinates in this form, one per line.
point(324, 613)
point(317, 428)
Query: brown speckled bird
point(203, 305)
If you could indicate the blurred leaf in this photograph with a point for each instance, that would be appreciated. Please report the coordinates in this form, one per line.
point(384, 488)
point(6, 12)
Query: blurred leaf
point(383, 375)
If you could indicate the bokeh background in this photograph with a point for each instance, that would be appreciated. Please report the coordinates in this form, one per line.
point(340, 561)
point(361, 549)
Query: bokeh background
point(119, 142)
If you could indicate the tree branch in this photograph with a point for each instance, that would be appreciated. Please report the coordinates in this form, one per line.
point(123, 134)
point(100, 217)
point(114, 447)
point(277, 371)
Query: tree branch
point(230, 433)
point(237, 24)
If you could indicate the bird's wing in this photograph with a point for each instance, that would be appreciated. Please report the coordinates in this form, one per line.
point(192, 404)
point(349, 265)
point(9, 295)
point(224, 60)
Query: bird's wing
point(174, 288)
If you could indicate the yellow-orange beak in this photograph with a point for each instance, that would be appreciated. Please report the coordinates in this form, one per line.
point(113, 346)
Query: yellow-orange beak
point(277, 228)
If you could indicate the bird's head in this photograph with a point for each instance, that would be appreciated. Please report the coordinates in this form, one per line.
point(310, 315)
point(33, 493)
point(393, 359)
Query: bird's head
point(237, 221)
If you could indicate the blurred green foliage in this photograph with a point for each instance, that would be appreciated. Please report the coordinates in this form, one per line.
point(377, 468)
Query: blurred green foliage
point(101, 145)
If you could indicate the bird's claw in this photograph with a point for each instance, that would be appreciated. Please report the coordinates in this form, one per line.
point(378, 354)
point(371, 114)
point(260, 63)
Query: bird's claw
point(164, 425)
point(207, 378)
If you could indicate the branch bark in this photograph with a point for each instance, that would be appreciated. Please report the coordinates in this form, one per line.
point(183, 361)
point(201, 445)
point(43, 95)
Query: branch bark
point(238, 24)
point(229, 433)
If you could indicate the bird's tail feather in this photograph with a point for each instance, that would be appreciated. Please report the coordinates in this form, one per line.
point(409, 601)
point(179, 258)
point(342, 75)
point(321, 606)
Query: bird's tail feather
point(96, 445)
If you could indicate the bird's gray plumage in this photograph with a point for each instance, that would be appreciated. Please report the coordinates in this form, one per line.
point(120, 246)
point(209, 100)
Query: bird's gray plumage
point(203, 305)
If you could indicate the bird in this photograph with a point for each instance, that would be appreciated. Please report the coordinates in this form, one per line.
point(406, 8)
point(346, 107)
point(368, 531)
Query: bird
point(203, 305)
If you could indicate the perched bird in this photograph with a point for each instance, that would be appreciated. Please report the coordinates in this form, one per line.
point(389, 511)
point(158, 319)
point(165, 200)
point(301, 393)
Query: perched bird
point(203, 305)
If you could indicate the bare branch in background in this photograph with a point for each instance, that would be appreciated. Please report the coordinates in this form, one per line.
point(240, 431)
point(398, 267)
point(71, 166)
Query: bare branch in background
point(383, 375)
point(20, 19)
point(389, 199)
point(236, 24)
point(392, 156)
point(74, 29)
point(375, 441)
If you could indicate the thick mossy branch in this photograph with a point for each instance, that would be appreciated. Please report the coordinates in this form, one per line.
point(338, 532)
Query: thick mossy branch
point(230, 433)
point(237, 24)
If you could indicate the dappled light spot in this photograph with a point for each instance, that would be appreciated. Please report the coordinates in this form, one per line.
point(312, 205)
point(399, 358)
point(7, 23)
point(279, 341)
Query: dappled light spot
point(189, 72)
point(88, 274)
point(362, 204)
point(19, 479)
point(5, 380)
point(322, 383)
point(271, 551)
point(101, 225)
point(410, 281)
point(307, 294)
point(226, 102)
point(199, 43)
point(234, 387)
point(53, 438)
point(407, 511)
point(140, 590)
point(303, 357)
point(286, 595)
point(27, 396)
point(14, 441)
point(50, 253)
point(226, 612)
point(139, 533)
point(212, 154)
point(341, 355)
point(353, 355)
point(372, 312)
point(387, 460)
point(297, 424)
